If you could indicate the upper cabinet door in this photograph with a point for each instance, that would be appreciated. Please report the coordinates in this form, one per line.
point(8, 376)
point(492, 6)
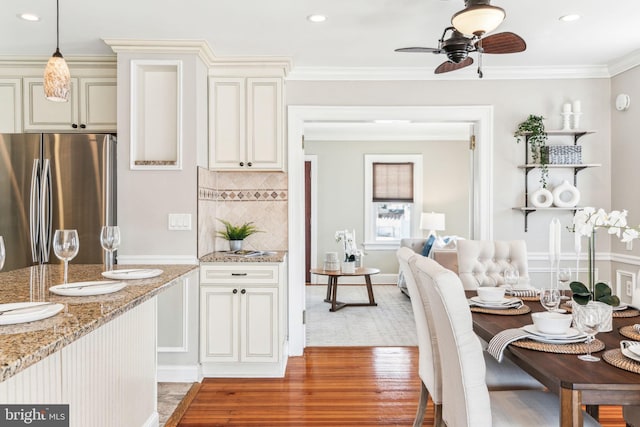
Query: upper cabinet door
point(264, 123)
point(227, 123)
point(10, 105)
point(98, 106)
point(42, 114)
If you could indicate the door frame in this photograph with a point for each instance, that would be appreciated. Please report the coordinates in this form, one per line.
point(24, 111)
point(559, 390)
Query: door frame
point(313, 160)
point(480, 115)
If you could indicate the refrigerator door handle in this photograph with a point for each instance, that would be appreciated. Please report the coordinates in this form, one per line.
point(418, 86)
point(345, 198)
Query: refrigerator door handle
point(34, 208)
point(45, 225)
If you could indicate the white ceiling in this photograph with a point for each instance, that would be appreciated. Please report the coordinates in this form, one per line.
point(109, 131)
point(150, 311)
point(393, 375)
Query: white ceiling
point(357, 33)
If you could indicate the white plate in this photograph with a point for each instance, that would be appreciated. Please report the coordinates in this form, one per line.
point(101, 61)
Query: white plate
point(621, 307)
point(478, 300)
point(98, 287)
point(502, 305)
point(635, 349)
point(132, 273)
point(559, 341)
point(29, 312)
point(571, 333)
point(630, 354)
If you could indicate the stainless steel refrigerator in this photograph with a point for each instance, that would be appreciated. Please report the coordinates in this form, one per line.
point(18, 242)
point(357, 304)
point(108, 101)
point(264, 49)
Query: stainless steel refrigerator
point(55, 181)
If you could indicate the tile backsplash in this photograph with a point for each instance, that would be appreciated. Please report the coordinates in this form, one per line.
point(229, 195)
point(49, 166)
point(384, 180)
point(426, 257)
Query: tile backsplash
point(239, 197)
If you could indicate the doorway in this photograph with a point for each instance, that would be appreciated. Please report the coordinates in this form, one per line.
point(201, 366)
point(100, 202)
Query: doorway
point(481, 116)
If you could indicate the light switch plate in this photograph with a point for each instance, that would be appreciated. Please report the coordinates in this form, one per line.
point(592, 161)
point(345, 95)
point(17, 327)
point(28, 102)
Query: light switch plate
point(180, 222)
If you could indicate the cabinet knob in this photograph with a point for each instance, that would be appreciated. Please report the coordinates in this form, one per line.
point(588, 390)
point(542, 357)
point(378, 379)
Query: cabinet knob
point(249, 164)
point(244, 291)
point(235, 291)
point(74, 125)
point(241, 163)
point(83, 126)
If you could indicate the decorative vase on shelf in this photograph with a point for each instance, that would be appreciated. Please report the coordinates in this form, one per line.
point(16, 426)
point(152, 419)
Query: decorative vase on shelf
point(541, 198)
point(566, 195)
point(235, 245)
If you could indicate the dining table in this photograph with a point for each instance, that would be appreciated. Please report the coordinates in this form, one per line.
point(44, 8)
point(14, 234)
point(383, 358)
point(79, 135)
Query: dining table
point(576, 382)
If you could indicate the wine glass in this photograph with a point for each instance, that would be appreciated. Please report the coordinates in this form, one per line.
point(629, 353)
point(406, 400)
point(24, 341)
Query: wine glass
point(3, 254)
point(110, 240)
point(511, 277)
point(550, 298)
point(564, 275)
point(587, 319)
point(66, 245)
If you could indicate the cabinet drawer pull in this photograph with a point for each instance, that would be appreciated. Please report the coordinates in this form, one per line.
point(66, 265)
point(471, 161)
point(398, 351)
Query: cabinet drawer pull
point(244, 291)
point(241, 163)
point(75, 126)
point(249, 164)
point(83, 126)
point(238, 274)
point(235, 291)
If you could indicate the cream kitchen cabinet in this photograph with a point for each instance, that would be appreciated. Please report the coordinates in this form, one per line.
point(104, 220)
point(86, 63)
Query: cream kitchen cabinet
point(92, 106)
point(10, 105)
point(246, 123)
point(242, 319)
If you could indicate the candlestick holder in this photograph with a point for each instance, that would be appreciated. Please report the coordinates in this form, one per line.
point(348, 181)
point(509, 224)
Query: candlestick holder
point(576, 120)
point(566, 121)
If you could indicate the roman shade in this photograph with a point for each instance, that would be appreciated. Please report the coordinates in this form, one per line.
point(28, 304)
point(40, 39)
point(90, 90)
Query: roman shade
point(393, 182)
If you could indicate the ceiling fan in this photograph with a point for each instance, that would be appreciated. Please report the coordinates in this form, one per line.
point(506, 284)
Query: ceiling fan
point(467, 36)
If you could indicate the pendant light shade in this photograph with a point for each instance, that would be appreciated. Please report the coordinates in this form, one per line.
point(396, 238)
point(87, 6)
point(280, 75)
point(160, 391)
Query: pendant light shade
point(478, 18)
point(57, 79)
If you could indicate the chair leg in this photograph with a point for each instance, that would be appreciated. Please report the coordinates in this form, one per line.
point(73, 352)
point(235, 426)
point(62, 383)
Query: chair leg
point(422, 405)
point(437, 415)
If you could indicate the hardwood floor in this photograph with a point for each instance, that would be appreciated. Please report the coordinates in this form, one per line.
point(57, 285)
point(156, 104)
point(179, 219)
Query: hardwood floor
point(328, 386)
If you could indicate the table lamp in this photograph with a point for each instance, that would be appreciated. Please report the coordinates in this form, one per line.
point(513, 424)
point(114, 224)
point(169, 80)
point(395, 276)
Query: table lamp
point(432, 221)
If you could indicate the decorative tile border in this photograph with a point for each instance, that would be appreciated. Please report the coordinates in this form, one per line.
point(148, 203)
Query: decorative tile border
point(274, 195)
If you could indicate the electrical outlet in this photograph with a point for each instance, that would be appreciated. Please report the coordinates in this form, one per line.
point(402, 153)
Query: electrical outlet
point(629, 288)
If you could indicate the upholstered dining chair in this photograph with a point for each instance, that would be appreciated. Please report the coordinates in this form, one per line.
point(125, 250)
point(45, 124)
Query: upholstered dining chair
point(631, 415)
point(504, 375)
point(465, 396)
point(482, 262)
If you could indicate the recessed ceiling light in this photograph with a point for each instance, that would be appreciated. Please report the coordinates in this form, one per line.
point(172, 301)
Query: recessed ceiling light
point(316, 18)
point(29, 17)
point(569, 18)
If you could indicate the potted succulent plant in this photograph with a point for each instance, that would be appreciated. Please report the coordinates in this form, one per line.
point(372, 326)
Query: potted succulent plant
point(533, 131)
point(236, 234)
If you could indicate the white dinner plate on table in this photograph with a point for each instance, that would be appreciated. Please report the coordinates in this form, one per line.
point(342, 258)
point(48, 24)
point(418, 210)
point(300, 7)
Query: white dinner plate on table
point(504, 304)
point(22, 312)
point(632, 352)
point(79, 289)
point(132, 273)
point(571, 333)
point(621, 307)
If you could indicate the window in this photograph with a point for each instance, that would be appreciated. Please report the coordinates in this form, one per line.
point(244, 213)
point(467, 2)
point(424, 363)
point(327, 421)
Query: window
point(393, 199)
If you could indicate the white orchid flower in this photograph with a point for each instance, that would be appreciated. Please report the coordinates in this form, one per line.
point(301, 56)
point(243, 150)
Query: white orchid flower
point(616, 221)
point(629, 234)
point(581, 223)
point(600, 218)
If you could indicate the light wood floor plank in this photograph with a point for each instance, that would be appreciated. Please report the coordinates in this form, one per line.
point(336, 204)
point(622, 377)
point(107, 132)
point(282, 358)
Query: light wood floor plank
point(328, 386)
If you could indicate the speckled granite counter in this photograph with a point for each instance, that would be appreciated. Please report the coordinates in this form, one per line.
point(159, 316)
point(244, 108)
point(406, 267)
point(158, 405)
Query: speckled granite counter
point(24, 344)
point(272, 256)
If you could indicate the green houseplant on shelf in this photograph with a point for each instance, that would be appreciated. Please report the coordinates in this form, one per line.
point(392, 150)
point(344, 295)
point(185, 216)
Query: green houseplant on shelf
point(534, 132)
point(236, 234)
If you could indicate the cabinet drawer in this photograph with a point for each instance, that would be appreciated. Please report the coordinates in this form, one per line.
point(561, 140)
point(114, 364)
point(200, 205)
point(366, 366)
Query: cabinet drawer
point(239, 273)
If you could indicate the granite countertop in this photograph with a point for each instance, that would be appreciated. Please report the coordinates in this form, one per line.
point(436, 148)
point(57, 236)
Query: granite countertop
point(269, 256)
point(24, 344)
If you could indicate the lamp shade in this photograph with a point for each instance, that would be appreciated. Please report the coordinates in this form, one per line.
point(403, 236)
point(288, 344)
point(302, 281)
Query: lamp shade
point(432, 221)
point(57, 79)
point(478, 19)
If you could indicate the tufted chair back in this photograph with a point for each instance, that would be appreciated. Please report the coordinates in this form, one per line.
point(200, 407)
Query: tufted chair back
point(482, 262)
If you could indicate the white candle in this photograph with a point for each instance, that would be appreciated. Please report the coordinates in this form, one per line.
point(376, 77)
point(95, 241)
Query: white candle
point(558, 238)
point(566, 108)
point(577, 108)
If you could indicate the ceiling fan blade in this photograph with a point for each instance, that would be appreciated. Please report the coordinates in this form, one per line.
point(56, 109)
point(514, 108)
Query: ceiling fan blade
point(506, 42)
point(447, 66)
point(419, 49)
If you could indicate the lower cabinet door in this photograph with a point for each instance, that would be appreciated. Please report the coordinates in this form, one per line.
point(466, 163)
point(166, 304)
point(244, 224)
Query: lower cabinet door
point(219, 329)
point(259, 324)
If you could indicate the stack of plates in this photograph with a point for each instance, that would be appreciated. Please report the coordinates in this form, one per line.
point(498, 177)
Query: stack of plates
point(630, 349)
point(504, 304)
point(572, 336)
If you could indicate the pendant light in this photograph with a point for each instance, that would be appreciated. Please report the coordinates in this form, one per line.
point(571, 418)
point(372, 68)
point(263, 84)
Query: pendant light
point(57, 79)
point(478, 18)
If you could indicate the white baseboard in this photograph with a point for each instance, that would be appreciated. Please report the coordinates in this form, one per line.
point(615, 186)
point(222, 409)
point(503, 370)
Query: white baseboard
point(178, 373)
point(153, 420)
point(157, 259)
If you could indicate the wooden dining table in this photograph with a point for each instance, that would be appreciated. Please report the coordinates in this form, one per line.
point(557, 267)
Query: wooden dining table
point(576, 382)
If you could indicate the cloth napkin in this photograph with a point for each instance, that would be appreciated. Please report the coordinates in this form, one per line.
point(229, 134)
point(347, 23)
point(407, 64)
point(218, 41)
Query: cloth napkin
point(522, 292)
point(502, 339)
point(513, 303)
point(636, 327)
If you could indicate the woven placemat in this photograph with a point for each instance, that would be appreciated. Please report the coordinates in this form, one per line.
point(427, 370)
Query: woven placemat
point(508, 312)
point(575, 348)
point(629, 312)
point(530, 298)
point(616, 358)
point(629, 332)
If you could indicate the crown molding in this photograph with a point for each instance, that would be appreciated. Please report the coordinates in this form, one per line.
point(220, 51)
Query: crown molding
point(624, 63)
point(424, 73)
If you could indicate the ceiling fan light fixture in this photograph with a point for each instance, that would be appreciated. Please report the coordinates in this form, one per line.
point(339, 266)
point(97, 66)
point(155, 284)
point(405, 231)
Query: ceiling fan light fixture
point(57, 79)
point(478, 19)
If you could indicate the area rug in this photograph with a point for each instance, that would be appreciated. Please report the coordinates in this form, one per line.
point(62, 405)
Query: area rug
point(389, 324)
